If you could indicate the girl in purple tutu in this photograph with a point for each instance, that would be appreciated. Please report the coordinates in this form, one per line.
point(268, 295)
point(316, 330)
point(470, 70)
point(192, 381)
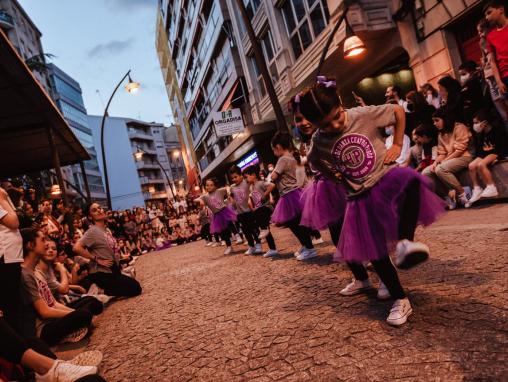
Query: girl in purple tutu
point(222, 214)
point(288, 210)
point(385, 202)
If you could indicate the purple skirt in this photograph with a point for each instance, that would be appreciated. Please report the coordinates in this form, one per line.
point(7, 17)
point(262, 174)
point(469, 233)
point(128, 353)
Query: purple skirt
point(221, 220)
point(324, 203)
point(289, 207)
point(371, 221)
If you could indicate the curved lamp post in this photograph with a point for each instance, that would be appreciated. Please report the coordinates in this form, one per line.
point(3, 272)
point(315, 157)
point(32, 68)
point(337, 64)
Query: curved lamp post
point(353, 45)
point(138, 155)
point(131, 87)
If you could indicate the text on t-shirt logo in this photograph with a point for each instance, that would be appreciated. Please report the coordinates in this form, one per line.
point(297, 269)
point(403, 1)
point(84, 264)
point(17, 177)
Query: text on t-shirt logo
point(354, 156)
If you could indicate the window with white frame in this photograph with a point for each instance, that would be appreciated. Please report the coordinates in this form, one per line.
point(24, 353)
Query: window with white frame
point(269, 52)
point(304, 20)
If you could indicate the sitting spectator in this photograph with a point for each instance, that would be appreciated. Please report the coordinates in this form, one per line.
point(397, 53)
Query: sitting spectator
point(454, 153)
point(431, 95)
point(489, 148)
point(52, 226)
point(43, 315)
point(424, 151)
point(418, 111)
point(404, 153)
point(98, 245)
point(451, 98)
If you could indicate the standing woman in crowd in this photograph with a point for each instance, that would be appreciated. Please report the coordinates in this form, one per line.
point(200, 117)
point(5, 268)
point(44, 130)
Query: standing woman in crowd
point(431, 95)
point(386, 202)
point(451, 96)
point(99, 246)
point(222, 214)
point(288, 210)
point(454, 153)
point(419, 111)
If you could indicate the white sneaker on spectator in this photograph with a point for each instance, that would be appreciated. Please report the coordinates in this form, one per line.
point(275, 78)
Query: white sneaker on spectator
point(297, 253)
point(239, 239)
point(401, 310)
point(222, 243)
point(228, 250)
point(75, 336)
point(88, 358)
point(93, 290)
point(450, 203)
point(306, 254)
point(215, 244)
point(271, 253)
point(463, 199)
point(356, 287)
point(208, 243)
point(319, 240)
point(382, 292)
point(410, 253)
point(250, 251)
point(477, 194)
point(263, 233)
point(103, 298)
point(490, 191)
point(258, 249)
point(62, 371)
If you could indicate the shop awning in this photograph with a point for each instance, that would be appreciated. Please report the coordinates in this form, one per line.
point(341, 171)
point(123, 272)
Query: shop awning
point(26, 114)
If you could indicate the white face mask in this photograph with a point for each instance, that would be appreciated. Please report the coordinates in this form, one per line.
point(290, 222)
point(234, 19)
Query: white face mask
point(477, 127)
point(389, 130)
point(430, 99)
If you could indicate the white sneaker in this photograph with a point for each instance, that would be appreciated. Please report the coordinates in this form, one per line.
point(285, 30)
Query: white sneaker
point(401, 310)
point(490, 192)
point(228, 250)
point(382, 292)
point(410, 253)
point(297, 253)
point(258, 249)
point(450, 203)
point(271, 253)
point(215, 244)
point(239, 239)
point(250, 251)
point(463, 199)
point(318, 241)
point(208, 243)
point(62, 371)
point(222, 243)
point(307, 253)
point(477, 194)
point(263, 233)
point(87, 358)
point(356, 287)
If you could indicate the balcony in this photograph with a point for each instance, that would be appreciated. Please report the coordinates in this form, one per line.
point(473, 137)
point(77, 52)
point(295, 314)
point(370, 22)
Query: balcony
point(141, 165)
point(147, 180)
point(140, 136)
point(6, 20)
point(155, 195)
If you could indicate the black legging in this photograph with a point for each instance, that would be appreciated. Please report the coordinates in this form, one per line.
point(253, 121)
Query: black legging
point(409, 212)
point(115, 284)
point(55, 330)
point(12, 346)
point(89, 303)
point(262, 217)
point(10, 296)
point(226, 236)
point(205, 232)
point(247, 222)
point(303, 234)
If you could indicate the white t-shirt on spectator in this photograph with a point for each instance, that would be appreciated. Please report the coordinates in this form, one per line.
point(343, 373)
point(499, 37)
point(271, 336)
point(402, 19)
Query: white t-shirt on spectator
point(406, 148)
point(11, 243)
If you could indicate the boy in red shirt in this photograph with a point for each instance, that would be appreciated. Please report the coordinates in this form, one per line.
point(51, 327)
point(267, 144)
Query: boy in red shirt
point(495, 14)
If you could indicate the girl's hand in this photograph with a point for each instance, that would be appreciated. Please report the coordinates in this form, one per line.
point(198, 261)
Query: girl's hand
point(392, 154)
point(105, 263)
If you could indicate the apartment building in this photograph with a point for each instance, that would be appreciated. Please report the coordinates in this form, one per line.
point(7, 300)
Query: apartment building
point(134, 180)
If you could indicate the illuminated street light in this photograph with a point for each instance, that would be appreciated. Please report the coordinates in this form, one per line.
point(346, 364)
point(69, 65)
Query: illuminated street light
point(132, 86)
point(176, 153)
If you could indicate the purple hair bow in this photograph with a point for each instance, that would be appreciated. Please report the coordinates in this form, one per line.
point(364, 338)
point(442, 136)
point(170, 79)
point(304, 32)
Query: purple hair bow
point(322, 80)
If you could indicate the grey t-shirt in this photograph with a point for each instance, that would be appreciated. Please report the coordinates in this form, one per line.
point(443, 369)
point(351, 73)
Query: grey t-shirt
point(241, 196)
point(215, 200)
point(101, 244)
point(257, 191)
point(358, 151)
point(286, 169)
point(51, 280)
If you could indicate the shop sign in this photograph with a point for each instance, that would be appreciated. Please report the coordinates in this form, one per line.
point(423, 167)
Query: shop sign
point(228, 122)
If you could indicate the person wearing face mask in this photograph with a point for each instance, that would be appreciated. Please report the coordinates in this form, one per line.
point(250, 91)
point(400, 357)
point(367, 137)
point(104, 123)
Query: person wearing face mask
point(489, 148)
point(406, 145)
point(472, 94)
point(431, 95)
point(419, 111)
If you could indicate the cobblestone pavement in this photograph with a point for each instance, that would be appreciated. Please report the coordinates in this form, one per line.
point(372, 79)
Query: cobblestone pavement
point(204, 316)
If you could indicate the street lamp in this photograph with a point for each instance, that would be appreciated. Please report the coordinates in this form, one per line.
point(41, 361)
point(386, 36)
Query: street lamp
point(138, 155)
point(176, 154)
point(353, 45)
point(131, 87)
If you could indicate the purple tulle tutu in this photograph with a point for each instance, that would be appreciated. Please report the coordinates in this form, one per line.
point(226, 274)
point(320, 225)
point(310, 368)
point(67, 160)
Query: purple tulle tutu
point(289, 207)
point(221, 220)
point(324, 203)
point(371, 221)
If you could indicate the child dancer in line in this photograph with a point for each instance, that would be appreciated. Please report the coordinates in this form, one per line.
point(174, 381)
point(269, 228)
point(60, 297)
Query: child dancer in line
point(385, 202)
point(223, 215)
point(289, 207)
point(240, 198)
point(204, 221)
point(260, 203)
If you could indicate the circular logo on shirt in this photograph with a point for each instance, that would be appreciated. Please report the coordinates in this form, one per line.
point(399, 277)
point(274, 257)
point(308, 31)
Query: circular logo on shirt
point(256, 198)
point(239, 195)
point(354, 156)
point(215, 203)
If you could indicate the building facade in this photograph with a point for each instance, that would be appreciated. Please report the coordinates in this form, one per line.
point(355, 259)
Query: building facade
point(175, 156)
point(68, 97)
point(24, 36)
point(134, 180)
